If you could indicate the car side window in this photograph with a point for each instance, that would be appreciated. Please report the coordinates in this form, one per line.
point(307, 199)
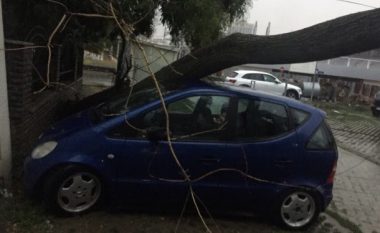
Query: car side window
point(256, 77)
point(199, 117)
point(322, 139)
point(269, 78)
point(196, 117)
point(260, 120)
point(299, 117)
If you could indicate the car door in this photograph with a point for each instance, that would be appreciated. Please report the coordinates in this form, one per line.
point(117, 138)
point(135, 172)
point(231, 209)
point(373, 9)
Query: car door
point(255, 80)
point(270, 146)
point(272, 86)
point(203, 153)
point(131, 153)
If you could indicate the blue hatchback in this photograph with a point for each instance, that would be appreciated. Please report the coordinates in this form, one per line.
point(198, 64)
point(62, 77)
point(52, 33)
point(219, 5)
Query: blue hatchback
point(242, 149)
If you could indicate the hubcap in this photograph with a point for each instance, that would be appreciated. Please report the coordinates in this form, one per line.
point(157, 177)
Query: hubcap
point(79, 192)
point(298, 209)
point(291, 94)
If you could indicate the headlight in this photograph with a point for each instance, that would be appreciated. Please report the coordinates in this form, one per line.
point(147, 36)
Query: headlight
point(43, 149)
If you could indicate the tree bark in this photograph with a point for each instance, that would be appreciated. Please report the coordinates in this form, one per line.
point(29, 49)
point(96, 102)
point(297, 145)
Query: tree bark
point(342, 36)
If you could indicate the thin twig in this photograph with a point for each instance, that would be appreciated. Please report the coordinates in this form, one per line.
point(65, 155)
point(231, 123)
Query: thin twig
point(49, 46)
point(59, 3)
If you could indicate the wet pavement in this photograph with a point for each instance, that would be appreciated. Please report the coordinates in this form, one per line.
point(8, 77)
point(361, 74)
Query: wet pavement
point(362, 137)
point(356, 191)
point(357, 183)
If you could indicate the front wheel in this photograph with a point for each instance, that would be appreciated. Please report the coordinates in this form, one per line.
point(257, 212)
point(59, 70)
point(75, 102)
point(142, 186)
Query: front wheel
point(71, 190)
point(292, 94)
point(297, 209)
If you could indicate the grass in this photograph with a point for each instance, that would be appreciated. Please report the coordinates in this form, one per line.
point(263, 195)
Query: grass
point(345, 112)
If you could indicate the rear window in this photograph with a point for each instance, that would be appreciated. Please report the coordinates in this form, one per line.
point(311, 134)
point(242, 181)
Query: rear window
point(322, 139)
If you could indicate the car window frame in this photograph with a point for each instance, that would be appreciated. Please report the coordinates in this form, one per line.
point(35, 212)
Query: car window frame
point(328, 130)
point(222, 138)
point(274, 78)
point(294, 125)
point(252, 79)
point(235, 137)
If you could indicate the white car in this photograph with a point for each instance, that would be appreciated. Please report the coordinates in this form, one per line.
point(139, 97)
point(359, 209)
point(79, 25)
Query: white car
point(264, 82)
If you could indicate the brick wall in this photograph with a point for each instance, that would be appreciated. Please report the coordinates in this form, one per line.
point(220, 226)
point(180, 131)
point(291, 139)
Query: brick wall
point(30, 114)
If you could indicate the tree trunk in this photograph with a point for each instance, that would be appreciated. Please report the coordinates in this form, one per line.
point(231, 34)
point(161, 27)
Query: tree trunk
point(342, 36)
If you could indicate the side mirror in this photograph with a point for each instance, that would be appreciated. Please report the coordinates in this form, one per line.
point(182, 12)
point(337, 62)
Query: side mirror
point(277, 81)
point(156, 133)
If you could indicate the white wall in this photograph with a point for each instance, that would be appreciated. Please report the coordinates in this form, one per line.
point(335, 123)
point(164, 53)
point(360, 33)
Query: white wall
point(5, 142)
point(158, 56)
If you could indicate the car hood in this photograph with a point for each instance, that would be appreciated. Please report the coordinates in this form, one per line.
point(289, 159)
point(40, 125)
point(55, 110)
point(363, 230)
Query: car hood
point(67, 126)
point(291, 86)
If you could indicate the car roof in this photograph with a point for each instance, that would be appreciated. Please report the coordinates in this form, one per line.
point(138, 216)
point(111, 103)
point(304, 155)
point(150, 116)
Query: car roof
point(250, 72)
point(202, 86)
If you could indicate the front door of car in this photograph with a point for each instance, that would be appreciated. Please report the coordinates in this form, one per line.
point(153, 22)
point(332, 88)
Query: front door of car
point(199, 127)
point(273, 86)
point(270, 146)
point(131, 153)
point(147, 168)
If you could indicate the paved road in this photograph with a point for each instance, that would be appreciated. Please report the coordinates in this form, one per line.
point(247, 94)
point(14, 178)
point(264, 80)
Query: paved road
point(359, 136)
point(356, 191)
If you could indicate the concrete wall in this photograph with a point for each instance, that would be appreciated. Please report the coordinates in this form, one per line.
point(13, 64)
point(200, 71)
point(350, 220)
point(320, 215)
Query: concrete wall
point(158, 57)
point(30, 113)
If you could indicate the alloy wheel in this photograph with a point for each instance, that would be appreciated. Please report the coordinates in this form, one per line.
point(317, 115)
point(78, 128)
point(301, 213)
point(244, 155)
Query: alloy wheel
point(79, 192)
point(298, 209)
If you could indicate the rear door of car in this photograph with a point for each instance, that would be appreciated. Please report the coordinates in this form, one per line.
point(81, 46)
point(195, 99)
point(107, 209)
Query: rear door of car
point(254, 80)
point(270, 145)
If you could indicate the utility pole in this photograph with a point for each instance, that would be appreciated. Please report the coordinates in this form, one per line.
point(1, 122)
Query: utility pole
point(5, 137)
point(313, 82)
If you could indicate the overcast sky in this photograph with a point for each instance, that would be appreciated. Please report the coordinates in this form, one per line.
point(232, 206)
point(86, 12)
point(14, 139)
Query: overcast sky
point(291, 15)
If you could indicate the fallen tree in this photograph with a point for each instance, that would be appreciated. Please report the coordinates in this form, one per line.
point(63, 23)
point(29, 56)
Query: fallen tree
point(338, 37)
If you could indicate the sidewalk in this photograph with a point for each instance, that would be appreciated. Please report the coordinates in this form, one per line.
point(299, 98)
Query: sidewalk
point(356, 191)
point(360, 136)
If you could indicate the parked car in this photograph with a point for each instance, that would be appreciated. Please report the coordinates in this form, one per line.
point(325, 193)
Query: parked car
point(263, 81)
point(376, 105)
point(274, 155)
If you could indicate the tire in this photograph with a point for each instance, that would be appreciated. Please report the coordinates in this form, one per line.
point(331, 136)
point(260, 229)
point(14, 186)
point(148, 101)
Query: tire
point(292, 94)
point(297, 209)
point(72, 190)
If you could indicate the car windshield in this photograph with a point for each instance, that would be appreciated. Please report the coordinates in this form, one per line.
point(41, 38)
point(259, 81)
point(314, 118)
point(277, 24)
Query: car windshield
point(125, 102)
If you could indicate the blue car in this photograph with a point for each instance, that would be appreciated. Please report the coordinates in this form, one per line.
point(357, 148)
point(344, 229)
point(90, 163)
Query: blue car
point(243, 150)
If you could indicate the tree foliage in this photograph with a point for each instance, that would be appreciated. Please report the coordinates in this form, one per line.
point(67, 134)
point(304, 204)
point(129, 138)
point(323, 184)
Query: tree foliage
point(198, 22)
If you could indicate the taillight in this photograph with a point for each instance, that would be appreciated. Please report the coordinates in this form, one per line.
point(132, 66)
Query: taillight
point(330, 179)
point(232, 80)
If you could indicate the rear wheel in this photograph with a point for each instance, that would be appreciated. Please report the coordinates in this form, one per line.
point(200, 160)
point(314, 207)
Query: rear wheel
point(72, 189)
point(297, 209)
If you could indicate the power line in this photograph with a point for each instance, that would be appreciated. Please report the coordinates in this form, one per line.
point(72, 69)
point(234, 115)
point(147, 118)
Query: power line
point(357, 3)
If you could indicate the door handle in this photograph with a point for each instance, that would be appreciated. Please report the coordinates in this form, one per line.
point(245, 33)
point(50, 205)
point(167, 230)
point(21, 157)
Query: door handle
point(283, 163)
point(209, 160)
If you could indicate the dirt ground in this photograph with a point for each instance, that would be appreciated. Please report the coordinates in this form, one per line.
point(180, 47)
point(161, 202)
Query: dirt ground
point(20, 215)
